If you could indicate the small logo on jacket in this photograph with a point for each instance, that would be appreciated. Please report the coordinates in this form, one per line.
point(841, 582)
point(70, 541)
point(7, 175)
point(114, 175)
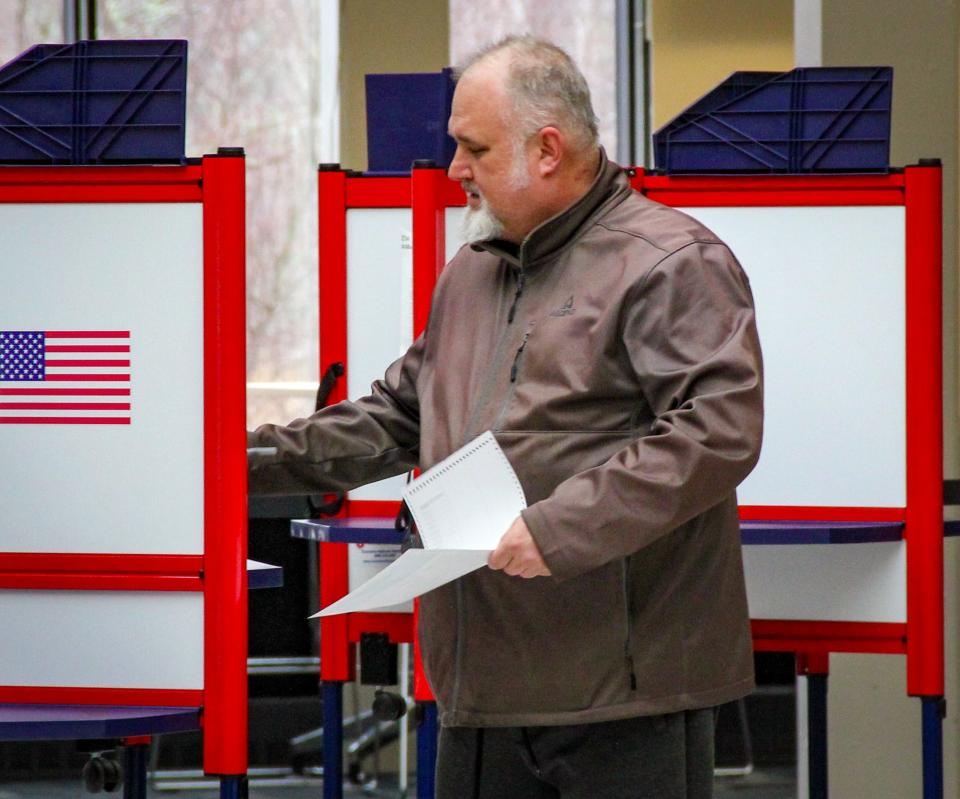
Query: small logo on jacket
point(566, 309)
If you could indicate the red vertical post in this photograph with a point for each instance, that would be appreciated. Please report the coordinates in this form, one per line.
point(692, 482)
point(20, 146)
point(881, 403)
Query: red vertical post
point(421, 688)
point(924, 400)
point(225, 464)
point(812, 663)
point(332, 228)
point(427, 184)
point(427, 194)
point(336, 655)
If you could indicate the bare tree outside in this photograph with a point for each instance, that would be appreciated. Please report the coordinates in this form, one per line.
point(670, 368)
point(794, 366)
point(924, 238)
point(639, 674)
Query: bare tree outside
point(253, 77)
point(586, 29)
point(24, 23)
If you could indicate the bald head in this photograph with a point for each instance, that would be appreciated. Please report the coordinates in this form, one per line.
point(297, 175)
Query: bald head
point(542, 86)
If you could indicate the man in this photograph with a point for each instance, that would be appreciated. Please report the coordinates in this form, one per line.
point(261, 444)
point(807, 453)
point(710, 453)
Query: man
point(609, 343)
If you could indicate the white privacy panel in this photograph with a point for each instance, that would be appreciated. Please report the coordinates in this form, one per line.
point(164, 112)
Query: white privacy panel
point(827, 582)
point(829, 291)
point(453, 241)
point(93, 487)
point(102, 639)
point(379, 308)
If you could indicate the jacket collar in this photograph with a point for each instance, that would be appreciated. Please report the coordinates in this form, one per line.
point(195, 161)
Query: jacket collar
point(545, 241)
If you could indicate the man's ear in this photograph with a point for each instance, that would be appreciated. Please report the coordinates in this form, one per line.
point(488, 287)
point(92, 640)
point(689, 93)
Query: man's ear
point(551, 149)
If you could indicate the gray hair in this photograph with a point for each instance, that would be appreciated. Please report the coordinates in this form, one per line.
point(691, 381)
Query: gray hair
point(546, 88)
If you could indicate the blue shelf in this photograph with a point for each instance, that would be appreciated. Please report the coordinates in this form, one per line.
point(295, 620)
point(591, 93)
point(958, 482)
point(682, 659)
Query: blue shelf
point(359, 530)
point(796, 532)
point(379, 530)
point(263, 575)
point(69, 722)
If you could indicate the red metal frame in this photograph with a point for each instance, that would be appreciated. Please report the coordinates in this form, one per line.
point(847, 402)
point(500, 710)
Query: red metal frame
point(395, 192)
point(221, 572)
point(225, 465)
point(105, 184)
point(427, 192)
point(924, 521)
point(776, 635)
point(332, 228)
point(698, 191)
point(340, 634)
point(921, 639)
point(337, 651)
point(73, 571)
point(809, 663)
point(431, 192)
point(916, 188)
point(397, 626)
point(374, 507)
point(336, 657)
point(427, 189)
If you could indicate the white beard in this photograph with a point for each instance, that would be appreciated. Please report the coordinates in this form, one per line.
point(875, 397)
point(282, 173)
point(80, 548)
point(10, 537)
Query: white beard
point(480, 224)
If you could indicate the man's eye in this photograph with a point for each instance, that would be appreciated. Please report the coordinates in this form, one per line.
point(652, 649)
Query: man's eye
point(477, 150)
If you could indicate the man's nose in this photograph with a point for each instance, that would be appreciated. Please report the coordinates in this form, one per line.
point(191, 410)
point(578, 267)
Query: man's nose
point(458, 169)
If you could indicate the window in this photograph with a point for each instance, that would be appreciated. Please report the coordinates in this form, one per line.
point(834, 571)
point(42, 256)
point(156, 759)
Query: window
point(254, 81)
point(24, 23)
point(586, 30)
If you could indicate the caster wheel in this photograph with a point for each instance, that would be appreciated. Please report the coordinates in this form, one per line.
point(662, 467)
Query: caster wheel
point(102, 774)
point(389, 706)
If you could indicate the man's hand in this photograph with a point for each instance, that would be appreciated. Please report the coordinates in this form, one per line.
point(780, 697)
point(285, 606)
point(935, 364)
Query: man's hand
point(517, 553)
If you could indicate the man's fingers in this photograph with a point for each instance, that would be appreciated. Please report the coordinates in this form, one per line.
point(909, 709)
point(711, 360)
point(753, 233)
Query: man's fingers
point(499, 558)
point(517, 554)
point(517, 568)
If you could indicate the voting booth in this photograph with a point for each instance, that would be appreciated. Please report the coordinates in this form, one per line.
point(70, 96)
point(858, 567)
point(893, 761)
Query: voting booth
point(842, 519)
point(123, 576)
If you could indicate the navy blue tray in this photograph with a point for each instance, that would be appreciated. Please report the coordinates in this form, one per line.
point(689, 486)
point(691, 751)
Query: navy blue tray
point(807, 120)
point(95, 102)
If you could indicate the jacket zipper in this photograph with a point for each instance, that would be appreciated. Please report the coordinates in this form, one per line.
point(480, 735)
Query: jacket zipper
point(625, 569)
point(521, 279)
point(484, 395)
point(514, 372)
point(516, 358)
point(482, 401)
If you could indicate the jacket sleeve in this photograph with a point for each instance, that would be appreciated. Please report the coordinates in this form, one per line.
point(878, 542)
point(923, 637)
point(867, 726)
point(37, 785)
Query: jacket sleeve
point(688, 331)
point(347, 444)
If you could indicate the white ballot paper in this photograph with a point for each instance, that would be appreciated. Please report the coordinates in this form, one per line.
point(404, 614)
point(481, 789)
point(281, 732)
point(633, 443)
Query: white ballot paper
point(462, 507)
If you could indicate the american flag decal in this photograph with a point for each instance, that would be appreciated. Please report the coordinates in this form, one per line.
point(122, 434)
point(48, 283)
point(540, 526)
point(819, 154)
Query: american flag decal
point(65, 377)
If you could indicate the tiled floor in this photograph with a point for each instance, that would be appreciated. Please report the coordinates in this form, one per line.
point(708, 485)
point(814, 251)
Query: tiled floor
point(763, 784)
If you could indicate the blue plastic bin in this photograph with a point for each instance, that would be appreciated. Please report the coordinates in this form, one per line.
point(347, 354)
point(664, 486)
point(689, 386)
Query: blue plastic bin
point(407, 117)
point(817, 119)
point(95, 102)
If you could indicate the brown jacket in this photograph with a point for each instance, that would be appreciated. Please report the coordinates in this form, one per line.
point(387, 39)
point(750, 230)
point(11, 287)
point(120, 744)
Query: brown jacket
point(616, 359)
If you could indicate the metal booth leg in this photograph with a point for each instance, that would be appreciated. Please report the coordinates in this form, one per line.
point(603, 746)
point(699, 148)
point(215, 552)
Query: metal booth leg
point(815, 666)
point(427, 751)
point(233, 786)
point(332, 740)
point(135, 757)
point(934, 710)
point(817, 735)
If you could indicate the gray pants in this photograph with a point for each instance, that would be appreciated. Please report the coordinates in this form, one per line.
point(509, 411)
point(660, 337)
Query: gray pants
point(649, 757)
